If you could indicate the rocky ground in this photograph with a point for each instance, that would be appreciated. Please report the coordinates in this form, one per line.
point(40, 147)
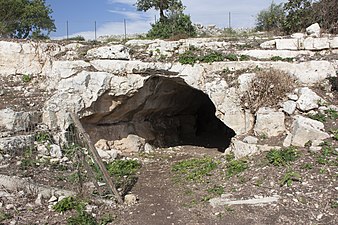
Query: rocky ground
point(191, 185)
point(262, 178)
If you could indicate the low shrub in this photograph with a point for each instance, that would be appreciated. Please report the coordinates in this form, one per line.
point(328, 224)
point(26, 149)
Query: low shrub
point(283, 156)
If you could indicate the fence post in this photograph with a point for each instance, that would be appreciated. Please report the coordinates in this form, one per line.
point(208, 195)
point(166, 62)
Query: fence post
point(96, 157)
point(67, 30)
point(125, 29)
point(95, 30)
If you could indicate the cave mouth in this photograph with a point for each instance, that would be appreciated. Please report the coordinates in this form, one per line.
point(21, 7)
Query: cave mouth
point(166, 112)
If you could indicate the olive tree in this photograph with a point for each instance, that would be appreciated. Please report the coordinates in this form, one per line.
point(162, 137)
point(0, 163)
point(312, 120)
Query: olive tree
point(161, 5)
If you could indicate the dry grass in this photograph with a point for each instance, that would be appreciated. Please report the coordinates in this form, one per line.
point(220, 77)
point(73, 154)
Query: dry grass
point(268, 88)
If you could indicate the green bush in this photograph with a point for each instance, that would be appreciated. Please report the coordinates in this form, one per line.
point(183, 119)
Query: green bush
point(177, 24)
point(212, 57)
point(188, 57)
point(231, 57)
point(283, 156)
point(271, 19)
point(67, 204)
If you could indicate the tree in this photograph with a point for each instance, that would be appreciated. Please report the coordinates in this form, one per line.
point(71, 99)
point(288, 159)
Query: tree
point(25, 18)
point(160, 5)
point(325, 15)
point(271, 19)
point(298, 15)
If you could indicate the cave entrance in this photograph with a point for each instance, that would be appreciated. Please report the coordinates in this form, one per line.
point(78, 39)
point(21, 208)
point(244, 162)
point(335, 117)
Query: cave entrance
point(165, 111)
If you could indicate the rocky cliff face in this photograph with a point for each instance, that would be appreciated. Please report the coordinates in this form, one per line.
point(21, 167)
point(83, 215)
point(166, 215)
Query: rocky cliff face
point(140, 88)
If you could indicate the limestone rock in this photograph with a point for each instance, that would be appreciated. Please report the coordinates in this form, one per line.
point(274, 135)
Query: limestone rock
point(132, 143)
point(102, 144)
point(109, 52)
point(305, 129)
point(313, 30)
point(268, 44)
point(15, 143)
point(289, 44)
point(130, 199)
point(241, 149)
point(316, 43)
point(250, 140)
point(308, 100)
point(298, 35)
point(289, 107)
point(55, 151)
point(148, 148)
point(269, 122)
point(42, 149)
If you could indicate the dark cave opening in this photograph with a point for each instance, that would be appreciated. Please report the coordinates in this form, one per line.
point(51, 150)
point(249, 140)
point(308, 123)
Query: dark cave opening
point(166, 112)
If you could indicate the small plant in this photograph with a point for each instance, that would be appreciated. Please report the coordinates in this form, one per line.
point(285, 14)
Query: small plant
point(282, 157)
point(216, 190)
point(289, 178)
point(335, 133)
point(28, 159)
point(67, 204)
point(334, 205)
point(82, 217)
point(307, 166)
point(332, 114)
point(123, 172)
point(43, 137)
point(4, 216)
point(325, 154)
point(76, 38)
point(231, 57)
point(244, 58)
point(276, 58)
point(26, 78)
point(188, 57)
point(235, 167)
point(195, 169)
point(212, 57)
point(319, 117)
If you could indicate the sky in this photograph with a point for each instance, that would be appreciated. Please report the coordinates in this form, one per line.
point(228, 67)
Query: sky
point(109, 15)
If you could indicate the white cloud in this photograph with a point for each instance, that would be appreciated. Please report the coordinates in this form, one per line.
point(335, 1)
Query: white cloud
point(128, 2)
point(131, 15)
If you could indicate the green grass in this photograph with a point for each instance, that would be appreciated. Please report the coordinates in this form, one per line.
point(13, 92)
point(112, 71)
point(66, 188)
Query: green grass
point(283, 156)
point(122, 168)
point(235, 167)
point(28, 159)
point(244, 58)
point(42, 137)
point(319, 117)
point(194, 169)
point(289, 177)
point(324, 156)
point(332, 114)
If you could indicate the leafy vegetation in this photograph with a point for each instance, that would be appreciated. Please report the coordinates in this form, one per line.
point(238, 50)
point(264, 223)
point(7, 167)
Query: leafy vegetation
point(188, 57)
point(231, 57)
point(296, 15)
point(176, 26)
point(26, 78)
point(25, 18)
point(283, 156)
point(318, 116)
point(163, 6)
point(235, 167)
point(289, 177)
point(195, 169)
point(67, 204)
point(271, 19)
point(322, 117)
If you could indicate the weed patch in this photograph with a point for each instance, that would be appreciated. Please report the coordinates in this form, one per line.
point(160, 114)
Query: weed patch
point(231, 57)
point(188, 57)
point(282, 157)
point(235, 167)
point(212, 57)
point(289, 178)
point(265, 84)
point(67, 204)
point(194, 169)
point(26, 78)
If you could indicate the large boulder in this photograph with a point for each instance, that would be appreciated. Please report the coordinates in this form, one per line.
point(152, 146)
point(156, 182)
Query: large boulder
point(304, 130)
point(313, 30)
point(269, 122)
point(132, 143)
point(308, 100)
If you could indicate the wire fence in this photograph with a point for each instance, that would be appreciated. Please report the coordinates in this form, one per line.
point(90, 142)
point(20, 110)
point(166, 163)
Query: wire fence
point(126, 28)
